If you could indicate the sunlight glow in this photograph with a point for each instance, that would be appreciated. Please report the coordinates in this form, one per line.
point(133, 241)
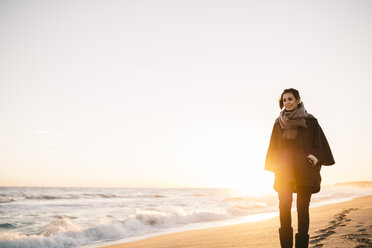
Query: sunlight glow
point(248, 182)
point(237, 162)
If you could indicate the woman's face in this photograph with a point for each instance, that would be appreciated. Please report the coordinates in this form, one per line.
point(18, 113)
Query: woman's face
point(290, 102)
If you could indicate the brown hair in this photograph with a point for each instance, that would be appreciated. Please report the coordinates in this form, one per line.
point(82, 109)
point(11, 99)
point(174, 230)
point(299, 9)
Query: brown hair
point(295, 93)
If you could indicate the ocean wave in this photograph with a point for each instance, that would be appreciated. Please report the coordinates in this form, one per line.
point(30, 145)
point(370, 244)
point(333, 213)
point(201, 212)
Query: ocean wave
point(107, 195)
point(104, 215)
point(82, 196)
point(177, 218)
point(147, 195)
point(68, 197)
point(6, 199)
point(100, 195)
point(49, 197)
point(7, 226)
point(43, 197)
point(64, 232)
point(65, 216)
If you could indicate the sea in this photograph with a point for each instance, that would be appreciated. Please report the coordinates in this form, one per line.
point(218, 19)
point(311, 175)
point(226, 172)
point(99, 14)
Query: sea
point(92, 217)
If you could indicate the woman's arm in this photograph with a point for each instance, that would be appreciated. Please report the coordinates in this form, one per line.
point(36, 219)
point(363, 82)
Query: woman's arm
point(272, 151)
point(320, 147)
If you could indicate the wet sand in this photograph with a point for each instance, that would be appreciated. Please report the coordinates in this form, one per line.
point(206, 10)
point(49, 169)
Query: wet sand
point(347, 224)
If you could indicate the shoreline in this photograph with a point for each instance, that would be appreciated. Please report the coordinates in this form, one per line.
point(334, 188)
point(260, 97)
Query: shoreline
point(186, 228)
point(327, 222)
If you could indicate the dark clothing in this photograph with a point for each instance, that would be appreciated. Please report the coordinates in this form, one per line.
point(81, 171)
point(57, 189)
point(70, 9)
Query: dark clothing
point(288, 158)
point(303, 202)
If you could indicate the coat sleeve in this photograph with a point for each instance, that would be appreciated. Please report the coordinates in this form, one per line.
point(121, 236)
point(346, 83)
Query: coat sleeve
point(272, 151)
point(321, 148)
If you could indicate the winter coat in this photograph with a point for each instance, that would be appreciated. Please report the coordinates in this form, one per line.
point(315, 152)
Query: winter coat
point(288, 158)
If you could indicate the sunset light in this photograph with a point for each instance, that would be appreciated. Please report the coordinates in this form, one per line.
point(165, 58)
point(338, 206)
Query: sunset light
point(122, 120)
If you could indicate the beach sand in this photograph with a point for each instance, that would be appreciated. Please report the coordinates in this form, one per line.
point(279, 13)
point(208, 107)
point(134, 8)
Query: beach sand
point(346, 224)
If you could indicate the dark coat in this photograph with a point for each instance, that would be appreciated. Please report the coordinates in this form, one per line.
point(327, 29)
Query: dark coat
point(288, 158)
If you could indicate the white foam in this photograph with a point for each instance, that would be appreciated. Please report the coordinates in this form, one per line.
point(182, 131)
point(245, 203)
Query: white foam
point(77, 217)
point(6, 199)
point(64, 232)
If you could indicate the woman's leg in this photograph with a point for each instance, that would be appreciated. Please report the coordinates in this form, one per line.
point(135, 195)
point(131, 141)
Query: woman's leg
point(285, 230)
point(285, 205)
point(303, 202)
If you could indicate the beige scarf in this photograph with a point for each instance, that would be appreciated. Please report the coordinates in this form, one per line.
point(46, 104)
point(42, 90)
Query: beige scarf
point(290, 121)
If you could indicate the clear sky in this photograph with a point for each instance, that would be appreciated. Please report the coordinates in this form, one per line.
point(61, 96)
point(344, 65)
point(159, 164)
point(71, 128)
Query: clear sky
point(177, 93)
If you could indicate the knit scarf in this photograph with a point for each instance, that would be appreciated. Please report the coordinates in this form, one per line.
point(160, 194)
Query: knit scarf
point(290, 121)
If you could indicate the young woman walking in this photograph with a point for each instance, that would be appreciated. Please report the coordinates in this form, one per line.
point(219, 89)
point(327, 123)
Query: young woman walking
point(297, 150)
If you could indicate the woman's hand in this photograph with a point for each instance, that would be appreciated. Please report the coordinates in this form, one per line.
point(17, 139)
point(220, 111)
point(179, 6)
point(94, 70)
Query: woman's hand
point(312, 159)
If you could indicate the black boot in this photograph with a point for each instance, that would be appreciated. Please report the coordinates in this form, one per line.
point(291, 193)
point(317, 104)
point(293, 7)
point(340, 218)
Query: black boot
point(286, 237)
point(302, 240)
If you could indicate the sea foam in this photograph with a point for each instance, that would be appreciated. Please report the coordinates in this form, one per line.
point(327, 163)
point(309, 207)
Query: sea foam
point(74, 217)
point(64, 232)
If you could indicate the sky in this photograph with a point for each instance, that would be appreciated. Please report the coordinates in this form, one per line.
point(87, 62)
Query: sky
point(177, 93)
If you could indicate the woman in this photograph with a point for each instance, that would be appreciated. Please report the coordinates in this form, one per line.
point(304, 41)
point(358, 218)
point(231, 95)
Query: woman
point(298, 148)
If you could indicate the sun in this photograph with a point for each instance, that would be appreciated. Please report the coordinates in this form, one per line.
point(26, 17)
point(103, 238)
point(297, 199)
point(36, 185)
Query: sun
point(236, 160)
point(252, 181)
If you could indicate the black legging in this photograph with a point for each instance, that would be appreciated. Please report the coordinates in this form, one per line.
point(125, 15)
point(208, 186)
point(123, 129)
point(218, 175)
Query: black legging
point(303, 202)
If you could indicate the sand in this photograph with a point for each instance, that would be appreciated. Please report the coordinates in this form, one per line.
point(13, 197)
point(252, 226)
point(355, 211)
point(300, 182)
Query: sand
point(346, 224)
